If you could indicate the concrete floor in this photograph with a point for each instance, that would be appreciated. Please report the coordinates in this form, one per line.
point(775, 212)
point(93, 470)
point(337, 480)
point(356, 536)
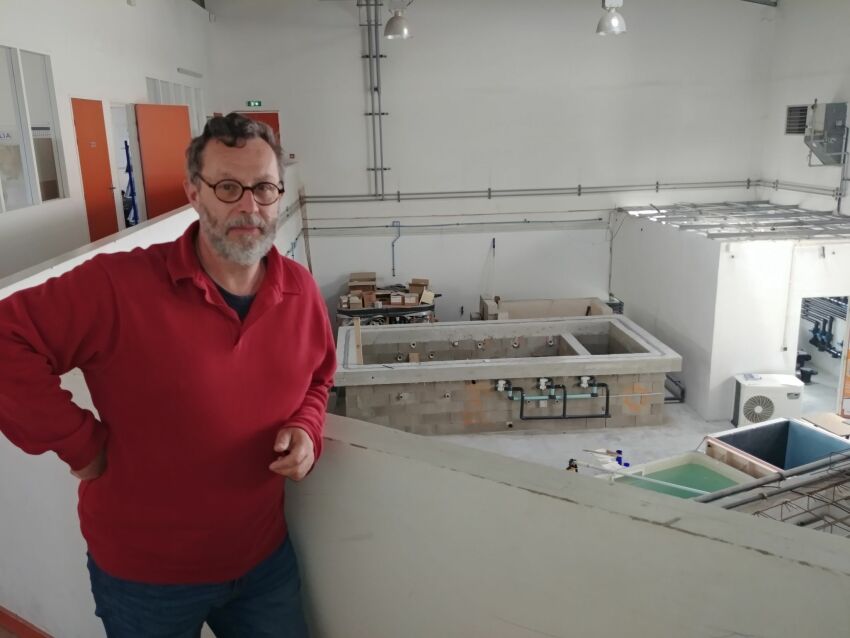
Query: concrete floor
point(682, 432)
point(820, 395)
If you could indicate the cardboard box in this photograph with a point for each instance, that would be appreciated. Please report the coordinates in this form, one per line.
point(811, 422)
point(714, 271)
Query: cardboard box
point(418, 286)
point(361, 286)
point(369, 298)
point(411, 299)
point(355, 303)
point(427, 297)
point(362, 276)
point(396, 299)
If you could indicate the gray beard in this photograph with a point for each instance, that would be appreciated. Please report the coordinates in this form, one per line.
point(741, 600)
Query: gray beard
point(245, 252)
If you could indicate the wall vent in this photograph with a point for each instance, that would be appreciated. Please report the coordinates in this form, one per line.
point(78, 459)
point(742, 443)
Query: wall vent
point(795, 120)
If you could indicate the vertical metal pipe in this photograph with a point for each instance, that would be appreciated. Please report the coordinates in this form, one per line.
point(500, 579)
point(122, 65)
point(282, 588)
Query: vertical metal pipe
point(397, 225)
point(842, 188)
point(380, 160)
point(370, 57)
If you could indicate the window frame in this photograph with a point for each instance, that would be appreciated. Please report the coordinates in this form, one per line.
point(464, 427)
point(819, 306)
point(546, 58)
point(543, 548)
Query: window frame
point(21, 107)
point(61, 172)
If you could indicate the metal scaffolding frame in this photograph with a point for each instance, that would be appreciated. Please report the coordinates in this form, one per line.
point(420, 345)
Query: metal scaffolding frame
point(734, 221)
point(826, 508)
point(818, 501)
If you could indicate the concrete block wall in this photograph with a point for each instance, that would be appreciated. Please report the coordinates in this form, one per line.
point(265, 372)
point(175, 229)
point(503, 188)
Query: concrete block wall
point(464, 407)
point(468, 349)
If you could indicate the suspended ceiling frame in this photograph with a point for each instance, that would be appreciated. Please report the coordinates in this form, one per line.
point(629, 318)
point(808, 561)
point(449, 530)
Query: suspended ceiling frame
point(737, 221)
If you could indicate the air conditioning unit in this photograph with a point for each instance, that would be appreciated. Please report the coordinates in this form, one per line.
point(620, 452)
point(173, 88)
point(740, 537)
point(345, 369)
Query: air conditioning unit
point(759, 397)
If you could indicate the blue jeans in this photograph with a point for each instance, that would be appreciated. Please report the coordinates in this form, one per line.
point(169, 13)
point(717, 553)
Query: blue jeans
point(264, 603)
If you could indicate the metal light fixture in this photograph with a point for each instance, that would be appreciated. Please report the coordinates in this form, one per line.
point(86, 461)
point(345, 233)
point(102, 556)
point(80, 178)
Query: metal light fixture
point(612, 23)
point(397, 27)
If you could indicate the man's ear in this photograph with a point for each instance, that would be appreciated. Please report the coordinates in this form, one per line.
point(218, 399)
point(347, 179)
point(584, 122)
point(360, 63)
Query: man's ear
point(192, 192)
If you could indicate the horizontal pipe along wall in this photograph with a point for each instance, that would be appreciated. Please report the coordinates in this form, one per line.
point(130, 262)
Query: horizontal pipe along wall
point(554, 375)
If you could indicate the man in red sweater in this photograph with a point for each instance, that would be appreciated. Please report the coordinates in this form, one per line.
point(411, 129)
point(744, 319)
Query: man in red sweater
point(209, 360)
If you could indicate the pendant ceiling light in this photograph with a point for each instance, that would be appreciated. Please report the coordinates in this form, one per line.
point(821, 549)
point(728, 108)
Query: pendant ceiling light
point(611, 23)
point(397, 27)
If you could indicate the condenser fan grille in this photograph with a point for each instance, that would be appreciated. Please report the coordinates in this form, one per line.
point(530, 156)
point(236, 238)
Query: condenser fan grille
point(758, 408)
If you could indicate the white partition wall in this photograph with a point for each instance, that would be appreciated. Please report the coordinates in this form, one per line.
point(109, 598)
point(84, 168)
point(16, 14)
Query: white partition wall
point(405, 536)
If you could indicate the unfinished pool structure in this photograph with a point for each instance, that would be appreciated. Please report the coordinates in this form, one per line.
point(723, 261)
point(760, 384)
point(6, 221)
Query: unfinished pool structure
point(465, 377)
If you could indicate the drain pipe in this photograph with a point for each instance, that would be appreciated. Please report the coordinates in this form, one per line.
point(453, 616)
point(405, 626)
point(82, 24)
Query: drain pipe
point(370, 57)
point(397, 225)
point(379, 163)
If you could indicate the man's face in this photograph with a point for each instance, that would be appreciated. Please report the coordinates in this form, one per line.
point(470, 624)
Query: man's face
point(243, 231)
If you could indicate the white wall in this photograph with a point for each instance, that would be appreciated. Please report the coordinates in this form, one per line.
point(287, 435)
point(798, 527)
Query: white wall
point(809, 61)
point(753, 312)
point(488, 95)
point(668, 281)
point(760, 287)
point(98, 50)
point(528, 264)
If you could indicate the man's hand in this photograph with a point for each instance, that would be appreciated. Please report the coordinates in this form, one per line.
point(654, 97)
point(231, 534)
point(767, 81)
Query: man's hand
point(93, 469)
point(297, 456)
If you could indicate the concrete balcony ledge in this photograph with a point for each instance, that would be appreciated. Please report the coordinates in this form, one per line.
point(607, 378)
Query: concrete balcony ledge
point(402, 535)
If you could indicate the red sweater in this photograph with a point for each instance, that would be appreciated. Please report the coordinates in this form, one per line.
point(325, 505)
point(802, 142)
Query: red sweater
point(189, 402)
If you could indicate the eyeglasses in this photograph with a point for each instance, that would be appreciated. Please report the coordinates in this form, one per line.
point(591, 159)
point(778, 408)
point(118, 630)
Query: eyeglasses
point(230, 191)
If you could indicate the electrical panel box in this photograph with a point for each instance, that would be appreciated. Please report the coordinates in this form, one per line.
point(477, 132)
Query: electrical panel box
point(826, 131)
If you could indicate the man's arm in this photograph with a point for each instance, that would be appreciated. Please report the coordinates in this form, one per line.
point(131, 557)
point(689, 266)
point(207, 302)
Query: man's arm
point(67, 322)
point(299, 452)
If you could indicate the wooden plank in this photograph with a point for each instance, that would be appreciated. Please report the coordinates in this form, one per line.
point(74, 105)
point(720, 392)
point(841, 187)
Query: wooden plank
point(358, 341)
point(18, 626)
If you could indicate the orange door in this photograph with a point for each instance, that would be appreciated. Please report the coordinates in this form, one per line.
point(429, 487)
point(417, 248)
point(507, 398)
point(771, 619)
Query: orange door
point(94, 166)
point(267, 117)
point(164, 135)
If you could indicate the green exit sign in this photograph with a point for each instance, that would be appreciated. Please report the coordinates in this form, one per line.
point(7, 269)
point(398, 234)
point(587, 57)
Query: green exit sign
point(253, 103)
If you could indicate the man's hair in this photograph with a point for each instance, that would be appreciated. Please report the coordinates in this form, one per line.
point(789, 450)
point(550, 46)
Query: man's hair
point(232, 129)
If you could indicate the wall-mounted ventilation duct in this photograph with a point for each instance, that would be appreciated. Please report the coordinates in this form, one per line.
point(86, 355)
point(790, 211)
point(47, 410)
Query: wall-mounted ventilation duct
point(826, 131)
point(795, 120)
